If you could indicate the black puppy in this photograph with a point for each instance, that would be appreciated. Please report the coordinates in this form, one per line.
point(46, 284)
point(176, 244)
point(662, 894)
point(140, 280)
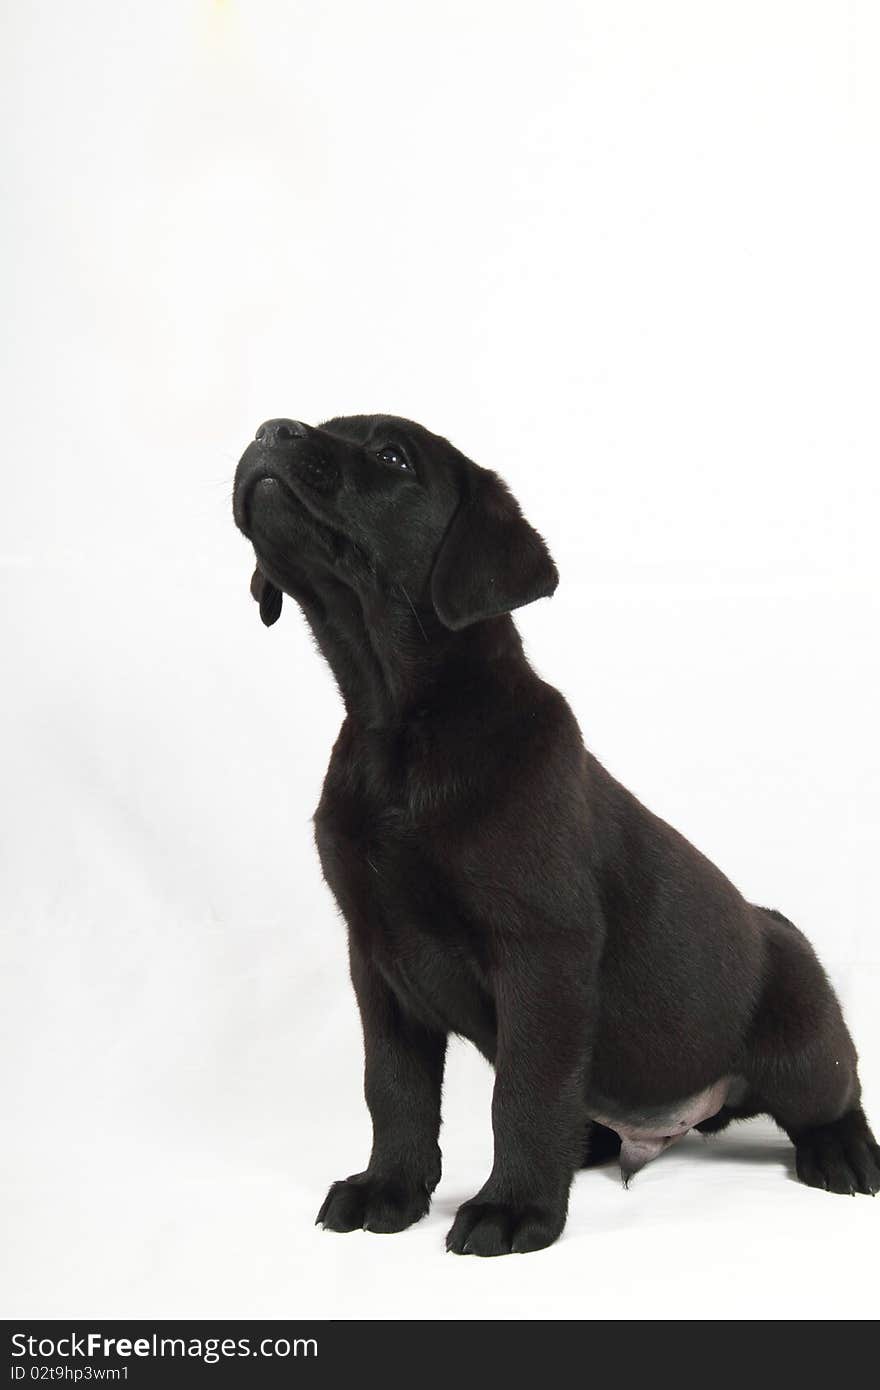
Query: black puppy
point(497, 882)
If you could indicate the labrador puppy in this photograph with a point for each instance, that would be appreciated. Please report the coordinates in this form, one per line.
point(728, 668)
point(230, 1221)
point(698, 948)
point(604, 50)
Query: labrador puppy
point(497, 882)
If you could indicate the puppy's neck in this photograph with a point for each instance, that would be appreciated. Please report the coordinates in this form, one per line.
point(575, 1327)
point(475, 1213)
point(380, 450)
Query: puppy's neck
point(393, 662)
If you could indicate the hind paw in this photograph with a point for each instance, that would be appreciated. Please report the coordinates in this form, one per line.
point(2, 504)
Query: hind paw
point(840, 1157)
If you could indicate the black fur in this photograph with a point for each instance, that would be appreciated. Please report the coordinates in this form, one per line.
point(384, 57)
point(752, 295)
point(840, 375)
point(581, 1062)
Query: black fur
point(497, 882)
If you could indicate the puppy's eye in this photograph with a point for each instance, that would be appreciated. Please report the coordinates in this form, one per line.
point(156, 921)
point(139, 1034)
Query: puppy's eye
point(393, 458)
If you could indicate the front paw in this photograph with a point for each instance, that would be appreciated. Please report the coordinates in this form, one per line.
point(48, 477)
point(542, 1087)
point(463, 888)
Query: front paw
point(368, 1203)
point(503, 1228)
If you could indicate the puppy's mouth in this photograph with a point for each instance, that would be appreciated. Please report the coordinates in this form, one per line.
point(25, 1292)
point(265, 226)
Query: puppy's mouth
point(265, 493)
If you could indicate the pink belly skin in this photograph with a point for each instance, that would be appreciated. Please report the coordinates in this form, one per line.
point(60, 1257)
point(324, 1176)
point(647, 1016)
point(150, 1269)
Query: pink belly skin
point(642, 1141)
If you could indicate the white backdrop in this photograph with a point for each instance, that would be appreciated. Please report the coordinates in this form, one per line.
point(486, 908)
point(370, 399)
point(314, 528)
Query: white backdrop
point(625, 253)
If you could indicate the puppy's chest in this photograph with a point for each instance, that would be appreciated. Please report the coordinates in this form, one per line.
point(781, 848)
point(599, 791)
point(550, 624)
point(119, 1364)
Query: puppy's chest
point(384, 800)
point(394, 878)
point(386, 866)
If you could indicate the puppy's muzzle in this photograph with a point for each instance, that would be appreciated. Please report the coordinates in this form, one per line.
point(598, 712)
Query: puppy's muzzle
point(290, 451)
point(287, 454)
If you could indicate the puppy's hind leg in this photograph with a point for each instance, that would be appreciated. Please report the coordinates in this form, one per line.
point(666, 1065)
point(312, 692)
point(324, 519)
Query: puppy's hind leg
point(803, 1065)
point(839, 1157)
point(745, 1110)
point(601, 1145)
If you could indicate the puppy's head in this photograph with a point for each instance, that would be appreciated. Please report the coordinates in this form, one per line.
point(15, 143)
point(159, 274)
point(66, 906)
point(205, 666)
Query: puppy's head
point(380, 502)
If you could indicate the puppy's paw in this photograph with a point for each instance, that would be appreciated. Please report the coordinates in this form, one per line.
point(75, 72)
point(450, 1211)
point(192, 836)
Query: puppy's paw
point(840, 1157)
point(364, 1202)
point(503, 1228)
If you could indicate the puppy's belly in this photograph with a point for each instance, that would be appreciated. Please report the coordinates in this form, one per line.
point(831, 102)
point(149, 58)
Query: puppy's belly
point(647, 1132)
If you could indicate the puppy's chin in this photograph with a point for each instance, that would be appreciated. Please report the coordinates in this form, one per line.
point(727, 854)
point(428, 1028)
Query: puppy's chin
point(276, 512)
point(266, 492)
point(288, 536)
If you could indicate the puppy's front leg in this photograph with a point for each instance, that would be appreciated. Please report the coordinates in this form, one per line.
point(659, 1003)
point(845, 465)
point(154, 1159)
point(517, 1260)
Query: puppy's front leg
point(403, 1075)
point(537, 1112)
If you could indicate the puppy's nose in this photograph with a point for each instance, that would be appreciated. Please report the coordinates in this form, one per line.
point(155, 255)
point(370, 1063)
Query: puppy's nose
point(280, 432)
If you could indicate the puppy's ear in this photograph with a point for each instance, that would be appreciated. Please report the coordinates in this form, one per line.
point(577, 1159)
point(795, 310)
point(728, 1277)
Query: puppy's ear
point(491, 560)
point(267, 596)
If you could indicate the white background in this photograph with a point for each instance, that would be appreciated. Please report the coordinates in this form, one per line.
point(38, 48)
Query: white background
point(625, 253)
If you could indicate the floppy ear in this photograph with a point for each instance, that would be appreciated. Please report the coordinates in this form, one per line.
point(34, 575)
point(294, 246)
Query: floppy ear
point(491, 560)
point(267, 596)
